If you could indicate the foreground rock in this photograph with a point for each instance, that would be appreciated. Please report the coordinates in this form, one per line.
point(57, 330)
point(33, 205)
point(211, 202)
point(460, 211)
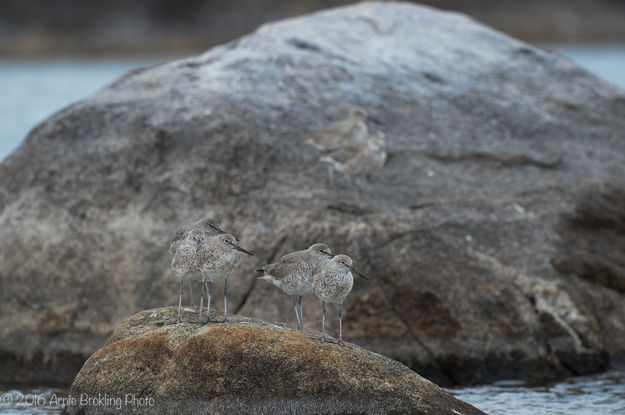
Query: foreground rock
point(245, 367)
point(494, 233)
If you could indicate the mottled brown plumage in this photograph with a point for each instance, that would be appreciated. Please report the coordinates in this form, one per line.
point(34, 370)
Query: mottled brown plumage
point(203, 228)
point(339, 133)
point(293, 272)
point(183, 262)
point(217, 256)
point(347, 146)
point(358, 157)
point(331, 283)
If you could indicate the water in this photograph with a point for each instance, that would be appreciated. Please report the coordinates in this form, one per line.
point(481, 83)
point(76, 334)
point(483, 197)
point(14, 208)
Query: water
point(600, 394)
point(607, 61)
point(32, 90)
point(32, 400)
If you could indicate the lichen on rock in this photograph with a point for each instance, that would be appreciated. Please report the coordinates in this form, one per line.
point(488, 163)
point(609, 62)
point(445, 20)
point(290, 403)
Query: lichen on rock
point(247, 366)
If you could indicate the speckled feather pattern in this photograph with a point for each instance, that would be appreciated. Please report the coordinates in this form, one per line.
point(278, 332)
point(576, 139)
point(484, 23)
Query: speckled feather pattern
point(195, 230)
point(339, 133)
point(216, 261)
point(185, 246)
point(293, 273)
point(184, 256)
point(333, 281)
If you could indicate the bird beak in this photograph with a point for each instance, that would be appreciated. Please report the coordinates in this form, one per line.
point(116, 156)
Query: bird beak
point(327, 253)
point(245, 251)
point(220, 231)
point(358, 272)
point(374, 120)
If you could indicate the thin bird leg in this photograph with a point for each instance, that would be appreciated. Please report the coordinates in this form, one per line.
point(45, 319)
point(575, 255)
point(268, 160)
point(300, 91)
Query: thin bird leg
point(226, 301)
point(208, 302)
point(201, 303)
point(353, 184)
point(301, 313)
point(299, 323)
point(191, 294)
point(323, 322)
point(178, 320)
point(341, 324)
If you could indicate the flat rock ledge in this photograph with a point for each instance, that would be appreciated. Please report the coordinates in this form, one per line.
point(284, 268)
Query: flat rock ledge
point(246, 366)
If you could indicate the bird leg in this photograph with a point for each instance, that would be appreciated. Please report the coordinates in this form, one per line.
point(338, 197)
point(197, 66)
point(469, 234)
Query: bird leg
point(201, 303)
point(330, 175)
point(226, 300)
point(323, 322)
point(341, 324)
point(301, 313)
point(178, 320)
point(299, 322)
point(191, 294)
point(208, 302)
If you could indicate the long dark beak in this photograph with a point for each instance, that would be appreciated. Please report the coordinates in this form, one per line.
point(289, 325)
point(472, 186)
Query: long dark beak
point(358, 272)
point(327, 253)
point(245, 251)
point(374, 120)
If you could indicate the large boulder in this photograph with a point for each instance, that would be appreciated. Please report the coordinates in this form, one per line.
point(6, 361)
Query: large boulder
point(494, 233)
point(246, 367)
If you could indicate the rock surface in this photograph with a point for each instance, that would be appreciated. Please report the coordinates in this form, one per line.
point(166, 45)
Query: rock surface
point(494, 233)
point(246, 367)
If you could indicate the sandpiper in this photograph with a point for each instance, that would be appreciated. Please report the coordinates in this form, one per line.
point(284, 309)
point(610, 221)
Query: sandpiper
point(217, 257)
point(293, 272)
point(184, 260)
point(358, 157)
point(339, 133)
point(206, 227)
point(331, 284)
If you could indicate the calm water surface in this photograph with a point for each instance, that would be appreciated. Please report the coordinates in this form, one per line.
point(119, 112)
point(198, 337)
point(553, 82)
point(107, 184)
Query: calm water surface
point(601, 394)
point(32, 90)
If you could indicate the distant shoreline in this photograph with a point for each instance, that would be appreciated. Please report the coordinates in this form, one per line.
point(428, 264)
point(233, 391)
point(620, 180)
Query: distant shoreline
point(44, 29)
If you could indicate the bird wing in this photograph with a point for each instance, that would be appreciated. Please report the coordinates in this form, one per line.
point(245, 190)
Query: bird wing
point(330, 138)
point(180, 235)
point(289, 258)
point(281, 270)
point(343, 155)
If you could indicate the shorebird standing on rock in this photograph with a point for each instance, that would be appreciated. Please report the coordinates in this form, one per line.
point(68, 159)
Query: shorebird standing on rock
point(217, 257)
point(205, 227)
point(184, 260)
point(331, 284)
point(339, 133)
point(293, 273)
point(348, 148)
point(358, 157)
